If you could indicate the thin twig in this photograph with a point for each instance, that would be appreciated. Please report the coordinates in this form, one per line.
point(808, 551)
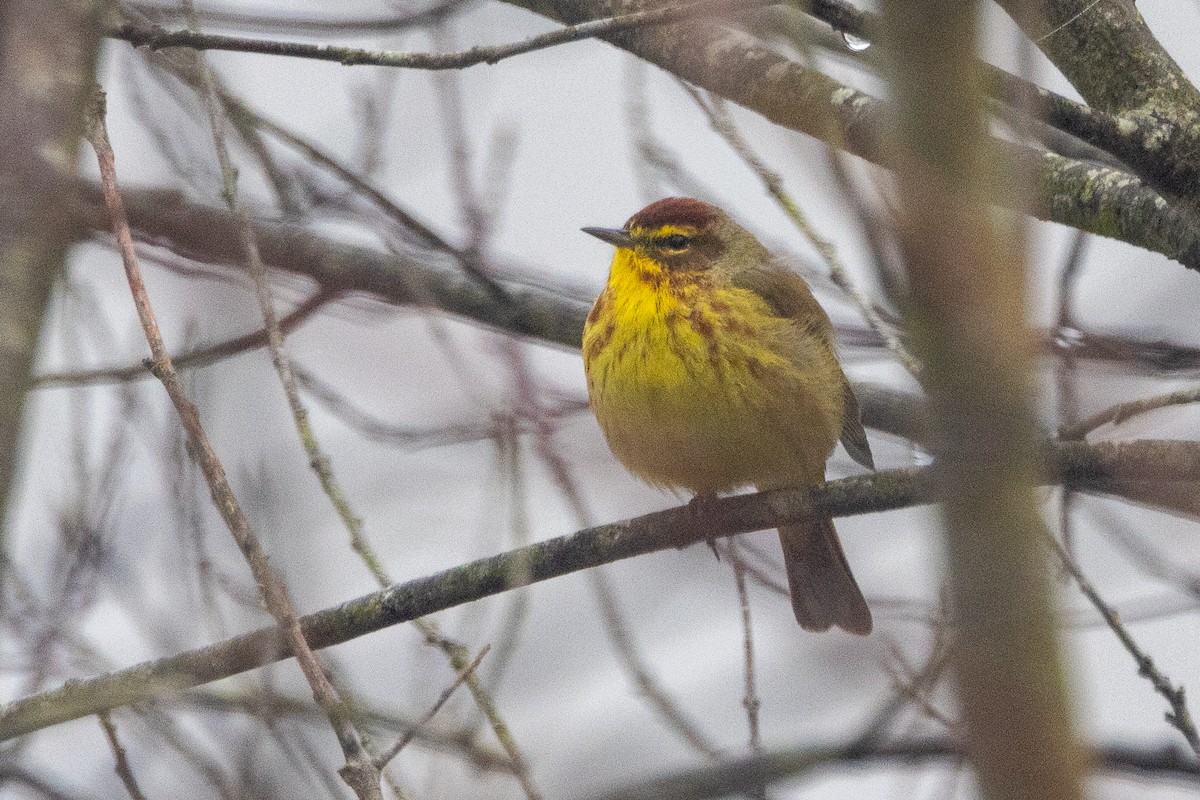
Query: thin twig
point(407, 221)
point(200, 357)
point(124, 771)
point(916, 685)
point(510, 462)
point(342, 24)
point(383, 758)
point(675, 717)
point(274, 594)
point(657, 164)
point(458, 656)
point(1178, 717)
point(754, 572)
point(1117, 414)
point(364, 778)
point(1055, 30)
point(380, 430)
point(750, 699)
point(280, 358)
point(157, 38)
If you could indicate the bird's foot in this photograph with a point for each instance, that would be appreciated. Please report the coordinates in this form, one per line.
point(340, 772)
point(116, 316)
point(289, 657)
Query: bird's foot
point(699, 507)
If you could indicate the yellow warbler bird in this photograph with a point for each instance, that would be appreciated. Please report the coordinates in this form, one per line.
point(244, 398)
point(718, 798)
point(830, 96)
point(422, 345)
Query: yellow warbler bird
point(710, 366)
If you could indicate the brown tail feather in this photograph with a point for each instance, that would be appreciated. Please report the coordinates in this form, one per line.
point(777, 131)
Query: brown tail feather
point(824, 592)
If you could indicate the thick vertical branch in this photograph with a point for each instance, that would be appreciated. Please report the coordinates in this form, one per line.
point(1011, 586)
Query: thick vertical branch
point(966, 273)
point(47, 58)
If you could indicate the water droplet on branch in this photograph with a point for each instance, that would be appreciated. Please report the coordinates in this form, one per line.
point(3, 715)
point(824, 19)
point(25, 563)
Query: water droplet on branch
point(855, 43)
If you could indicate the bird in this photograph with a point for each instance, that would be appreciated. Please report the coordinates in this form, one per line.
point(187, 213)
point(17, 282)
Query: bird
point(711, 366)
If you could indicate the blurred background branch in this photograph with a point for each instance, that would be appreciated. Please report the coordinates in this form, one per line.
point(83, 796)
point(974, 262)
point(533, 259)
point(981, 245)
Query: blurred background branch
point(47, 62)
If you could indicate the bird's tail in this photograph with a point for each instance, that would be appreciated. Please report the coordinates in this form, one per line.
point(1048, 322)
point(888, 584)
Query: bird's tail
point(824, 592)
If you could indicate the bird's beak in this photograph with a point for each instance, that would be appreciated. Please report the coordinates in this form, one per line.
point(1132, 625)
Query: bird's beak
point(614, 236)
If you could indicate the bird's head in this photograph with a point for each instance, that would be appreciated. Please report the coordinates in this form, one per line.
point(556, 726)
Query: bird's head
point(682, 235)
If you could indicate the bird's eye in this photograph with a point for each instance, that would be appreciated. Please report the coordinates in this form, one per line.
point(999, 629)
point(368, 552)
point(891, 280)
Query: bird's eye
point(676, 241)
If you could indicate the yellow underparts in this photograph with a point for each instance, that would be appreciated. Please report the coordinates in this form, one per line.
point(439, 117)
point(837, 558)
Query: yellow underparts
point(699, 386)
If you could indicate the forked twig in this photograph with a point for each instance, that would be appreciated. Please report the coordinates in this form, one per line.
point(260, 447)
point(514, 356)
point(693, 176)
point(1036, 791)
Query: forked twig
point(124, 771)
point(383, 758)
point(1117, 414)
point(1178, 717)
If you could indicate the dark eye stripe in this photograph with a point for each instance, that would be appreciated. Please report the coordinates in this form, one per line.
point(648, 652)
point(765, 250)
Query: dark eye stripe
point(676, 241)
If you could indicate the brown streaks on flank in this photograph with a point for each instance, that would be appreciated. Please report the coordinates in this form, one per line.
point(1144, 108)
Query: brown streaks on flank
point(600, 341)
point(673, 211)
point(598, 308)
point(739, 327)
point(701, 324)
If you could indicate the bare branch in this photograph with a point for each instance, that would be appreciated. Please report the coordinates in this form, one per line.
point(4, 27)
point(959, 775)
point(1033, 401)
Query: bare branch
point(124, 771)
point(1178, 717)
point(157, 39)
point(1081, 194)
point(750, 700)
point(1101, 468)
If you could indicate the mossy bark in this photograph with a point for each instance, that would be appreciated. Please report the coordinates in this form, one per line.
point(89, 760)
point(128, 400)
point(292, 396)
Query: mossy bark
point(1109, 54)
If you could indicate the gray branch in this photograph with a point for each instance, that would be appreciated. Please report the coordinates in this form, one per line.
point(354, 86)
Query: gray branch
point(1099, 468)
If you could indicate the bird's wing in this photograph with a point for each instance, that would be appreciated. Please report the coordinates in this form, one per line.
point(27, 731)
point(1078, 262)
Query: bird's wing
point(789, 296)
point(854, 438)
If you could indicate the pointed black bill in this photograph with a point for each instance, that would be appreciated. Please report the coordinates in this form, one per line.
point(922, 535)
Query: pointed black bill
point(614, 236)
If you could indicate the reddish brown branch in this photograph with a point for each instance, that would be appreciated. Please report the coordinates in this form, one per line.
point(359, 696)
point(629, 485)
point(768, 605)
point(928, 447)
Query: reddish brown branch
point(273, 592)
